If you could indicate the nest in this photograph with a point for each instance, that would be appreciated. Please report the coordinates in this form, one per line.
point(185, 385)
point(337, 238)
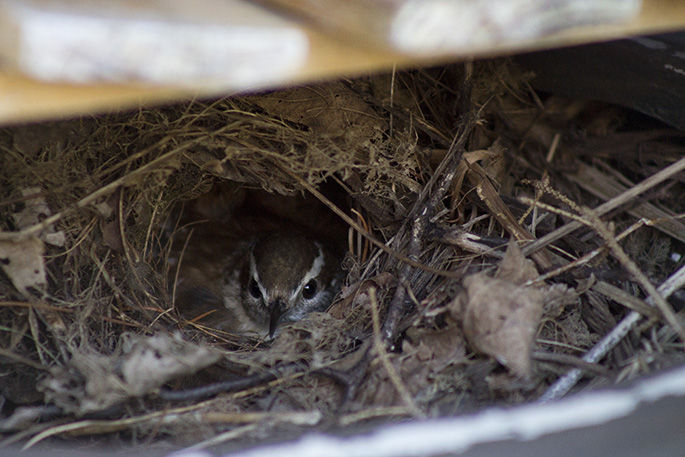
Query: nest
point(455, 191)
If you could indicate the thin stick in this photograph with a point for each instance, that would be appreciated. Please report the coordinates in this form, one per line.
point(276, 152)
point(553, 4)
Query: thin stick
point(379, 349)
point(564, 384)
point(178, 268)
point(656, 299)
point(352, 223)
point(429, 199)
point(610, 205)
point(584, 259)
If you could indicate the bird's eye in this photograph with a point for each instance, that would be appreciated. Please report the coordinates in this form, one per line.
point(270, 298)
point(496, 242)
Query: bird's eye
point(309, 290)
point(253, 288)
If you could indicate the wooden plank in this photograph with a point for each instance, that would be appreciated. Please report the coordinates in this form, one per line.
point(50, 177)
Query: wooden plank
point(23, 98)
point(437, 27)
point(226, 43)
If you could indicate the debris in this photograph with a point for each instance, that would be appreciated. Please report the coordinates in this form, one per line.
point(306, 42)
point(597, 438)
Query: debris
point(22, 261)
point(93, 382)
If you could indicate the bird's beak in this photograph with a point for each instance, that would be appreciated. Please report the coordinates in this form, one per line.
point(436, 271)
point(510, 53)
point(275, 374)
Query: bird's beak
point(277, 310)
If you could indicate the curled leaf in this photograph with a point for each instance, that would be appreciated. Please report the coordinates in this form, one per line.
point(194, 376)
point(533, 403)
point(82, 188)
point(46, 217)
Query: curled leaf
point(22, 261)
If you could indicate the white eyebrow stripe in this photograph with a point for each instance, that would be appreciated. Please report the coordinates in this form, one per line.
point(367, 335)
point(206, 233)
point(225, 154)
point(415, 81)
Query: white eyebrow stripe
point(317, 266)
point(295, 293)
point(255, 276)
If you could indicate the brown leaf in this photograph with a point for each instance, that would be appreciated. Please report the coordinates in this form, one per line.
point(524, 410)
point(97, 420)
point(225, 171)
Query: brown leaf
point(141, 364)
point(110, 223)
point(417, 366)
point(35, 210)
point(330, 108)
point(22, 262)
point(357, 295)
point(436, 349)
point(515, 268)
point(501, 320)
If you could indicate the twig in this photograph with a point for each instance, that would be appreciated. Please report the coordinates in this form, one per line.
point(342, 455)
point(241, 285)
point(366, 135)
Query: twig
point(16, 357)
point(581, 260)
point(623, 298)
point(224, 437)
point(232, 385)
point(564, 384)
point(178, 268)
point(368, 235)
point(373, 413)
point(379, 350)
point(108, 426)
point(424, 206)
point(501, 212)
point(610, 205)
point(600, 227)
point(567, 359)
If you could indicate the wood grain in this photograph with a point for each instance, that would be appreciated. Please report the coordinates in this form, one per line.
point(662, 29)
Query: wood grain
point(437, 27)
point(226, 43)
point(330, 56)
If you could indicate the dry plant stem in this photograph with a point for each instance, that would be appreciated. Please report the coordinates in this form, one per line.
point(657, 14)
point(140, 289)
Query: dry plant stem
point(582, 260)
point(630, 266)
point(500, 211)
point(625, 299)
point(369, 236)
point(130, 253)
point(35, 334)
point(566, 359)
point(425, 206)
point(178, 268)
point(379, 350)
point(233, 385)
point(11, 355)
point(564, 384)
point(101, 192)
point(108, 426)
point(610, 205)
point(224, 437)
point(254, 421)
point(372, 413)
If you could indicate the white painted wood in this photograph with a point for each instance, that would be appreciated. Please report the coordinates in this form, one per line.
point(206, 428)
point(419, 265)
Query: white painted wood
point(184, 43)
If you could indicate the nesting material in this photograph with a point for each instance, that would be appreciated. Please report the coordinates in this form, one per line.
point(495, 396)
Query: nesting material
point(481, 265)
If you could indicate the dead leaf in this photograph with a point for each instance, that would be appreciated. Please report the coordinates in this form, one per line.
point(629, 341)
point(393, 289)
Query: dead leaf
point(330, 109)
point(501, 320)
point(500, 316)
point(22, 261)
point(436, 349)
point(110, 223)
point(94, 382)
point(35, 210)
point(418, 365)
point(357, 296)
point(514, 267)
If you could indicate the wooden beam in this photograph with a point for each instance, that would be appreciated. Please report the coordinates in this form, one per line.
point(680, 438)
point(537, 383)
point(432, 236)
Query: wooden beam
point(329, 55)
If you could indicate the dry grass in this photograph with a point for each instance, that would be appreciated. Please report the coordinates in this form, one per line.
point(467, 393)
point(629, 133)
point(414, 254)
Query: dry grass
point(432, 178)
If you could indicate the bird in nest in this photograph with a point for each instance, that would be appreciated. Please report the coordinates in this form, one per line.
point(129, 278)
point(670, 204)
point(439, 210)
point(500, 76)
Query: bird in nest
point(254, 286)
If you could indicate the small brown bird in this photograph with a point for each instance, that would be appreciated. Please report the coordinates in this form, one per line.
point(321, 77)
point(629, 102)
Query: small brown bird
point(288, 277)
point(257, 286)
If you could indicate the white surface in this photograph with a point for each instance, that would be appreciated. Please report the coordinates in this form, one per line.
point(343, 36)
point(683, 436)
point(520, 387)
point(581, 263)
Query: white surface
point(451, 435)
point(209, 42)
point(443, 26)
